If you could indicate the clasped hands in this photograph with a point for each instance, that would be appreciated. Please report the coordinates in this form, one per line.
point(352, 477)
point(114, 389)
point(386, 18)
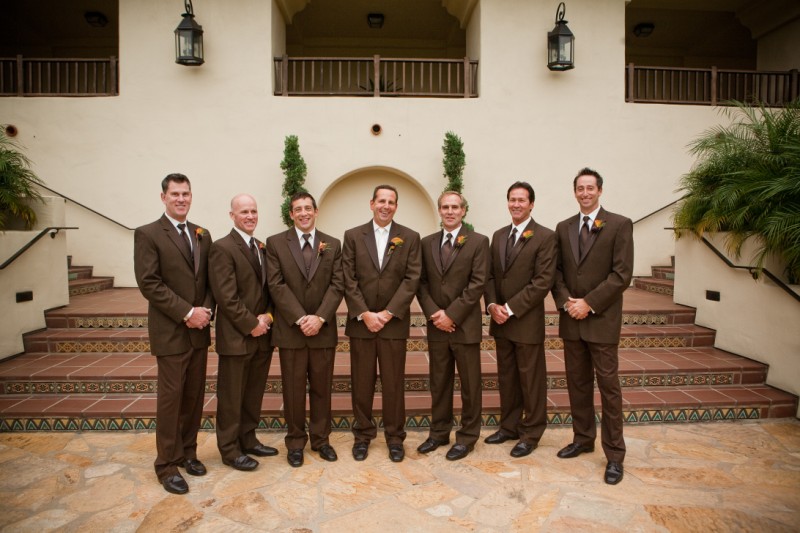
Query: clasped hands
point(376, 321)
point(577, 308)
point(310, 325)
point(201, 317)
point(264, 323)
point(443, 322)
point(499, 313)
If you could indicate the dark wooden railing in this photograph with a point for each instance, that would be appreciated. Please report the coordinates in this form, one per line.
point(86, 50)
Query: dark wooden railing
point(24, 76)
point(355, 76)
point(709, 86)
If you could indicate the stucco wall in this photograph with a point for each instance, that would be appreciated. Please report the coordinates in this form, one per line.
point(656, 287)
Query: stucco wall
point(221, 125)
point(780, 49)
point(753, 318)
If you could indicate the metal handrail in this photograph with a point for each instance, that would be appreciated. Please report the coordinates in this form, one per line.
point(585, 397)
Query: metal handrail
point(656, 211)
point(120, 224)
point(52, 230)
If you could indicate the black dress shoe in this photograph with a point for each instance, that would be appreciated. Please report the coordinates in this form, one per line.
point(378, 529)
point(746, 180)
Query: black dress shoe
point(327, 452)
point(261, 450)
point(574, 450)
point(396, 452)
point(360, 451)
point(521, 449)
point(498, 437)
point(458, 451)
point(243, 462)
point(613, 473)
point(295, 458)
point(175, 484)
point(430, 444)
point(194, 467)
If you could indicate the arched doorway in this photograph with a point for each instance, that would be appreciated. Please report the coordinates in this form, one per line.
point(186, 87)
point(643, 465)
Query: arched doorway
point(345, 204)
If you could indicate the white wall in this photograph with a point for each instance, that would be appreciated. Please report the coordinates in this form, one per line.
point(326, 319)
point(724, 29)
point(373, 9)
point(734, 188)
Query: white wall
point(780, 49)
point(653, 244)
point(221, 125)
point(753, 318)
point(41, 269)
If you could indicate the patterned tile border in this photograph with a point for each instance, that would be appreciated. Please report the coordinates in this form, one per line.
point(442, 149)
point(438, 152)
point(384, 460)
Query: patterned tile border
point(343, 384)
point(278, 423)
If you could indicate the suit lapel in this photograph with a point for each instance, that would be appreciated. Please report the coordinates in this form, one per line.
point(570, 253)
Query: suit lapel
point(594, 234)
point(456, 248)
point(174, 236)
point(195, 245)
point(317, 256)
point(572, 229)
point(436, 252)
point(372, 247)
point(245, 249)
point(521, 241)
point(503, 243)
point(394, 232)
point(294, 246)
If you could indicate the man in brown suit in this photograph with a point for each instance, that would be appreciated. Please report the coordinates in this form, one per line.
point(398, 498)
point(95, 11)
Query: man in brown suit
point(237, 272)
point(521, 275)
point(381, 264)
point(595, 266)
point(170, 259)
point(304, 272)
point(455, 264)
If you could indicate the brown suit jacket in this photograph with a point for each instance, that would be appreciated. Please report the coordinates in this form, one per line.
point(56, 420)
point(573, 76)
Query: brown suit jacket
point(240, 289)
point(369, 288)
point(600, 278)
point(523, 283)
point(456, 287)
point(296, 296)
point(172, 285)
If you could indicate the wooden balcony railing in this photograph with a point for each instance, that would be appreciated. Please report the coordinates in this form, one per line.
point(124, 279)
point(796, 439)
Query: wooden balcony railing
point(710, 86)
point(355, 76)
point(59, 76)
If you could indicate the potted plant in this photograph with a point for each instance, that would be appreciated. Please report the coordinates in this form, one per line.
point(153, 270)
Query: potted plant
point(17, 186)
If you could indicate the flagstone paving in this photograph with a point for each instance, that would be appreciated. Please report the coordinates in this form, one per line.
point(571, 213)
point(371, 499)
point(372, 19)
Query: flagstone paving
point(721, 476)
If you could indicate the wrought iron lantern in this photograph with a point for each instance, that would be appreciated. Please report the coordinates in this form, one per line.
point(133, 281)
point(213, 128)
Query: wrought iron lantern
point(189, 39)
point(560, 43)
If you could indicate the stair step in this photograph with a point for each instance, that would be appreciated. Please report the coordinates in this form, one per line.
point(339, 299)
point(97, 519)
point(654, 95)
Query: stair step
point(654, 285)
point(86, 286)
point(123, 373)
point(664, 272)
point(137, 411)
point(79, 272)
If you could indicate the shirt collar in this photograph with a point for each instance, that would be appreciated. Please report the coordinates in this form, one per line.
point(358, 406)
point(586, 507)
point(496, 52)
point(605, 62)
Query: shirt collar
point(521, 226)
point(176, 222)
point(454, 233)
point(244, 235)
point(376, 227)
point(592, 216)
point(313, 233)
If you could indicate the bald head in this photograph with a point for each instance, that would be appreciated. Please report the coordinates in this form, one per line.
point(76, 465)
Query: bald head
point(244, 213)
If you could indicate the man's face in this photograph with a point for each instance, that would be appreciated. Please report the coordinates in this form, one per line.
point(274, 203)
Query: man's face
point(519, 205)
point(177, 200)
point(303, 214)
point(451, 211)
point(587, 193)
point(244, 214)
point(383, 207)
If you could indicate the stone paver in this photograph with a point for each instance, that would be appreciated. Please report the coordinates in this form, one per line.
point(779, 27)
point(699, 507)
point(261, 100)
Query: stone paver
point(723, 476)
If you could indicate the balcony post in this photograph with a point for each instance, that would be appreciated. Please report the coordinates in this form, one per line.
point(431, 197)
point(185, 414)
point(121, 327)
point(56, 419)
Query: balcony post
point(376, 75)
point(631, 74)
point(20, 76)
point(713, 86)
point(112, 65)
point(467, 78)
point(793, 88)
point(285, 75)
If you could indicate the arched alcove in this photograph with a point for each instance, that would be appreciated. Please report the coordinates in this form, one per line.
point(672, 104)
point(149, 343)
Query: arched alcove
point(345, 204)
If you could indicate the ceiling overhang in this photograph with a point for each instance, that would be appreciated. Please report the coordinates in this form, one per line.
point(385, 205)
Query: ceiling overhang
point(461, 9)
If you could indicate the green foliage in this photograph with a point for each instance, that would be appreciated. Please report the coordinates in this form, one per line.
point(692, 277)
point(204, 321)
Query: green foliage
point(454, 162)
point(294, 168)
point(747, 182)
point(17, 184)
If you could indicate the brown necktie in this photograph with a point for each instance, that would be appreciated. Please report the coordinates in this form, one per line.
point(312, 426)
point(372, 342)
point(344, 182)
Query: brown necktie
point(308, 253)
point(510, 244)
point(447, 249)
point(254, 250)
point(185, 239)
point(583, 243)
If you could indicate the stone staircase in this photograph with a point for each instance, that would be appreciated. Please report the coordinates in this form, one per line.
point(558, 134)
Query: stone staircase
point(91, 368)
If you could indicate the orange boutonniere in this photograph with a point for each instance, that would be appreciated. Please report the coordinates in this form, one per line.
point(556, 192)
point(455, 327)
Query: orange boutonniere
point(460, 240)
point(199, 232)
point(261, 246)
point(527, 234)
point(598, 225)
point(397, 242)
point(321, 248)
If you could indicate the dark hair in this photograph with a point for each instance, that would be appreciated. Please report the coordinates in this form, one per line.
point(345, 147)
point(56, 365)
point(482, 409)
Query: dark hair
point(388, 188)
point(299, 196)
point(522, 185)
point(175, 177)
point(586, 171)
